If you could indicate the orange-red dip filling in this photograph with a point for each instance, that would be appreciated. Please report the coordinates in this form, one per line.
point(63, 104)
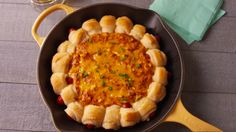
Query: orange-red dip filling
point(111, 68)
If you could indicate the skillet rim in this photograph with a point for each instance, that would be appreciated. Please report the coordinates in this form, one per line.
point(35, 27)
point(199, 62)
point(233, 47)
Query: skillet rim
point(166, 28)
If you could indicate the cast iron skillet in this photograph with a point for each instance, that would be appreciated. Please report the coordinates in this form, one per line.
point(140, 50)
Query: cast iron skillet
point(59, 33)
point(140, 16)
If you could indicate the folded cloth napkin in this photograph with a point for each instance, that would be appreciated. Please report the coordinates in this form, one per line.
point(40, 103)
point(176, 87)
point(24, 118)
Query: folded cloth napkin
point(190, 19)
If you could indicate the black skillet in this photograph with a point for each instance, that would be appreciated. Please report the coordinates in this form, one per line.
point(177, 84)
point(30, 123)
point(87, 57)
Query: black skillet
point(170, 109)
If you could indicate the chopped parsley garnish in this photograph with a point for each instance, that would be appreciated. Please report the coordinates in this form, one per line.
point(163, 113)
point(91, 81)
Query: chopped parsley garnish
point(85, 74)
point(122, 58)
point(102, 76)
point(113, 71)
point(127, 78)
point(81, 70)
point(90, 41)
point(124, 98)
point(122, 49)
point(130, 82)
point(138, 97)
point(97, 70)
point(124, 75)
point(110, 88)
point(103, 83)
point(138, 65)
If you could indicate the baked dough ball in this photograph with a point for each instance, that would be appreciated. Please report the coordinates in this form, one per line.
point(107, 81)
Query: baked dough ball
point(129, 117)
point(145, 107)
point(78, 36)
point(112, 117)
point(58, 81)
point(158, 58)
point(160, 75)
point(156, 92)
point(60, 62)
point(66, 46)
point(123, 25)
point(108, 23)
point(75, 111)
point(68, 94)
point(138, 31)
point(91, 26)
point(149, 41)
point(93, 115)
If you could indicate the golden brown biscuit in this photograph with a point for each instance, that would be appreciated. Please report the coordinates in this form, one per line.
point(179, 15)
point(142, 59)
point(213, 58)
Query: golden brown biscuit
point(66, 46)
point(78, 36)
point(156, 91)
point(129, 117)
point(145, 107)
point(123, 25)
point(149, 41)
point(58, 81)
point(158, 58)
point(91, 26)
point(75, 111)
point(112, 118)
point(60, 62)
point(138, 31)
point(108, 23)
point(68, 94)
point(160, 75)
point(93, 115)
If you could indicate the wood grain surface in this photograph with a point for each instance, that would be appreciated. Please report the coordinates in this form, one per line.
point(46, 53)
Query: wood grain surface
point(209, 90)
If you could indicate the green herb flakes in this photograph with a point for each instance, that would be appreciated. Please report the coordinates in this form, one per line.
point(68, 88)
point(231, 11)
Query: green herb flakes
point(113, 71)
point(110, 88)
point(81, 70)
point(102, 76)
point(124, 75)
point(130, 82)
point(103, 83)
point(85, 74)
point(122, 49)
point(122, 58)
point(138, 65)
point(124, 99)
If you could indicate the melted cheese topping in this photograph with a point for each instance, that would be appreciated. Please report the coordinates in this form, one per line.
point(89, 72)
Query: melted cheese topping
point(111, 68)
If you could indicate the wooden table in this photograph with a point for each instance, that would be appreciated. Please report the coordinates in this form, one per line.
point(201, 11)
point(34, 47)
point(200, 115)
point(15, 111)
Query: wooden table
point(210, 86)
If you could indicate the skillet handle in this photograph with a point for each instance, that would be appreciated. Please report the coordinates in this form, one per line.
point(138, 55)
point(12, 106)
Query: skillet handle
point(39, 39)
point(180, 115)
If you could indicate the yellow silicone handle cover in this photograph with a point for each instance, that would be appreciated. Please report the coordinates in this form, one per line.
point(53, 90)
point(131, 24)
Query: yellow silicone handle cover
point(45, 13)
point(180, 115)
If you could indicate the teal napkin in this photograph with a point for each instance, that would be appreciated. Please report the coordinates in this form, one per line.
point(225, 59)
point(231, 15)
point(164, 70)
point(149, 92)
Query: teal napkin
point(190, 19)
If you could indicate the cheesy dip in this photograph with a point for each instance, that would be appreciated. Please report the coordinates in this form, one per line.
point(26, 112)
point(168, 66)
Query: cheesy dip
point(111, 68)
